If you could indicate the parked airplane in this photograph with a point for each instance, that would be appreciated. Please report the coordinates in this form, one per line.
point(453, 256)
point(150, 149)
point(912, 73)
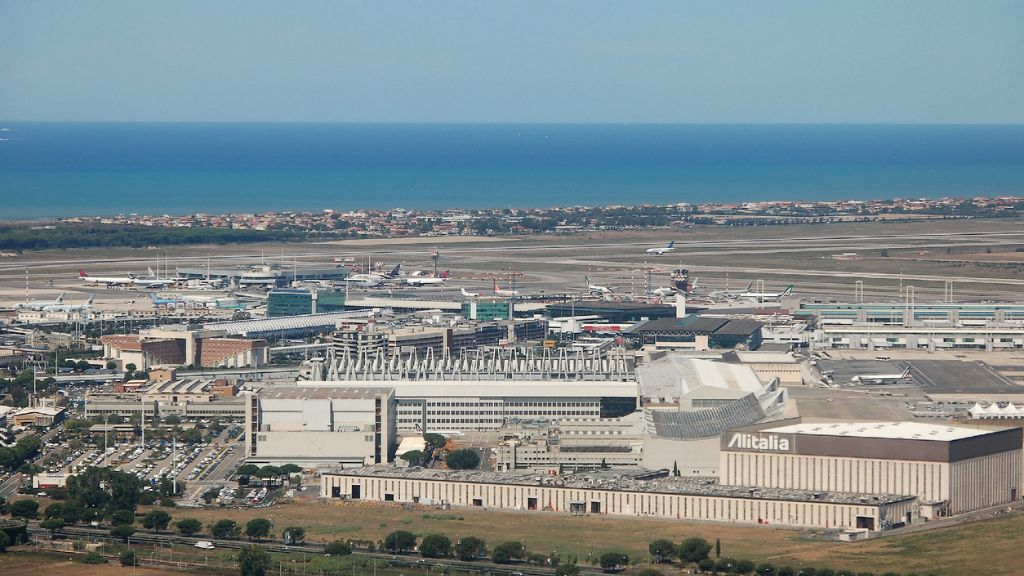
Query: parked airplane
point(373, 279)
point(881, 378)
point(665, 291)
point(670, 247)
point(129, 280)
point(427, 280)
point(469, 294)
point(498, 291)
point(767, 296)
point(71, 307)
point(39, 305)
point(729, 294)
point(596, 289)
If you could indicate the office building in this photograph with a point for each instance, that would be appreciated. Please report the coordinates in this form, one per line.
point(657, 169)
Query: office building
point(297, 302)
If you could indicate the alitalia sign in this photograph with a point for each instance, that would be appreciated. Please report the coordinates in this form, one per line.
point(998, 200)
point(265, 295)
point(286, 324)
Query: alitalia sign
point(759, 442)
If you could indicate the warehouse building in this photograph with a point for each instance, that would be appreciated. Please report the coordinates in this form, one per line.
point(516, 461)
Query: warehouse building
point(950, 469)
point(318, 426)
point(632, 494)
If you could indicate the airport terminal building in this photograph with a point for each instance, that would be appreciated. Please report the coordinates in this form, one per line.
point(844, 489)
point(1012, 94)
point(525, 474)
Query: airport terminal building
point(949, 469)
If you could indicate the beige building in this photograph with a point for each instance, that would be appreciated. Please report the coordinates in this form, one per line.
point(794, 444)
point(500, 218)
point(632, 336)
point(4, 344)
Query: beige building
point(320, 426)
point(640, 494)
point(950, 469)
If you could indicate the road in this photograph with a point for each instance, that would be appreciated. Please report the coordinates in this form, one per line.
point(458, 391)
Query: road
point(163, 538)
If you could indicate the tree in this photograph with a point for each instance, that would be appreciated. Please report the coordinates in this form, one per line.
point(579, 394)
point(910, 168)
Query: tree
point(338, 548)
point(53, 524)
point(613, 560)
point(122, 531)
point(24, 508)
point(464, 459)
point(400, 541)
point(188, 526)
point(289, 469)
point(661, 550)
point(694, 550)
point(128, 558)
point(706, 565)
point(5, 541)
point(435, 546)
point(268, 472)
point(253, 561)
point(156, 520)
point(506, 552)
point(718, 548)
point(293, 535)
point(435, 441)
point(786, 571)
point(122, 517)
point(413, 457)
point(649, 572)
point(765, 569)
point(567, 569)
point(247, 470)
point(55, 510)
point(470, 548)
point(258, 528)
point(224, 529)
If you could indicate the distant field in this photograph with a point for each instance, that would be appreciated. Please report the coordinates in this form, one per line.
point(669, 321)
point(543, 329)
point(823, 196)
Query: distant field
point(954, 551)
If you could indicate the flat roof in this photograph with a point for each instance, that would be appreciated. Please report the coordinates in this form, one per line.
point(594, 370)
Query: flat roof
point(883, 430)
point(322, 393)
point(638, 480)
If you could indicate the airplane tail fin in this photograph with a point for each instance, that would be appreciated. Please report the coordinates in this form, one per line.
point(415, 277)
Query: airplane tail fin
point(446, 274)
point(150, 270)
point(92, 297)
point(394, 271)
point(60, 298)
point(671, 244)
point(749, 286)
point(694, 285)
point(82, 274)
point(587, 279)
point(788, 290)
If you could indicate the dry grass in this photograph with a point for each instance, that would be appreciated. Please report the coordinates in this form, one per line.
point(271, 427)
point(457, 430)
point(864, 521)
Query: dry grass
point(951, 551)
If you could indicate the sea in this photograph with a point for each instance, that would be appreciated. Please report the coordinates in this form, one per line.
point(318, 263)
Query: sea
point(50, 170)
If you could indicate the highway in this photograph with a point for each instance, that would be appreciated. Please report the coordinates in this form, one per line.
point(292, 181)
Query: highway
point(164, 538)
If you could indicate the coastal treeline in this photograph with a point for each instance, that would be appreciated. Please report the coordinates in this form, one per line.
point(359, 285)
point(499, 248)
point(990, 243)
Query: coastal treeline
point(19, 237)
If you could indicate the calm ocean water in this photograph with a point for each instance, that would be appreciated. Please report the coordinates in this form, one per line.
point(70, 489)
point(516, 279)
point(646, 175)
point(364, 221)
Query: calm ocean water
point(55, 169)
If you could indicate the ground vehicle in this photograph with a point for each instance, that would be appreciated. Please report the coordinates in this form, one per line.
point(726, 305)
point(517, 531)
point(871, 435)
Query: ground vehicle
point(205, 545)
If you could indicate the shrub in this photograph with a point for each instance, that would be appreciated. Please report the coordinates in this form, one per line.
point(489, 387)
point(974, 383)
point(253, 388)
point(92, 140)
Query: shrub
point(338, 548)
point(94, 558)
point(613, 560)
point(128, 558)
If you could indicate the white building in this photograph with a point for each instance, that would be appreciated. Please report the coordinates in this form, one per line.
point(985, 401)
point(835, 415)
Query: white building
point(320, 426)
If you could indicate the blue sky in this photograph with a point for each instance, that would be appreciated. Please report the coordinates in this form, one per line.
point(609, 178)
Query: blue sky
point(812, 61)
